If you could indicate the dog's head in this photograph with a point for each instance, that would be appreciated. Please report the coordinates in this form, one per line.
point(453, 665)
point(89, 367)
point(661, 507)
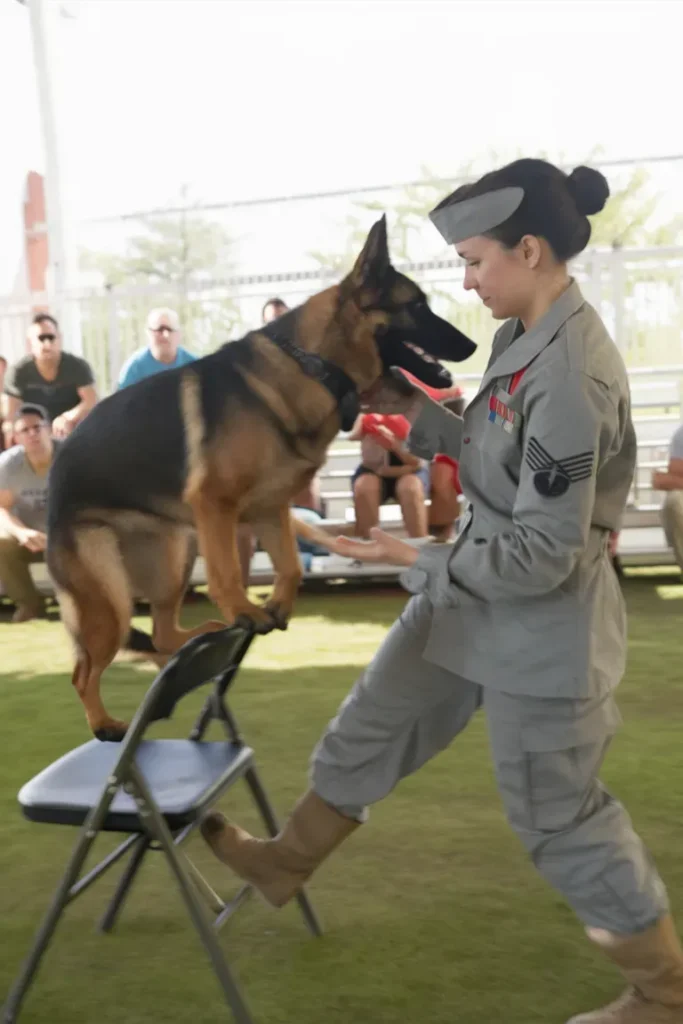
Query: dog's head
point(394, 310)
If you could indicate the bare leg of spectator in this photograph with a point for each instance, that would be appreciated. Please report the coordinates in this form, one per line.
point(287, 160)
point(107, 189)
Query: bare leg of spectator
point(16, 577)
point(444, 509)
point(411, 498)
point(672, 521)
point(367, 492)
point(245, 548)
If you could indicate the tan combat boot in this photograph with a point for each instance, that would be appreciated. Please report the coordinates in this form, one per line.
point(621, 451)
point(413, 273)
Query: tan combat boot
point(279, 867)
point(652, 963)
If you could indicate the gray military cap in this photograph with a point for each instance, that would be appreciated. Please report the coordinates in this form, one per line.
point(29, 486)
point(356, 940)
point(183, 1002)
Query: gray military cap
point(466, 218)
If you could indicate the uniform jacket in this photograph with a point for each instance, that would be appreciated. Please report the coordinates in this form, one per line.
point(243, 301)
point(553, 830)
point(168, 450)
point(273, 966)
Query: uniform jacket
point(527, 600)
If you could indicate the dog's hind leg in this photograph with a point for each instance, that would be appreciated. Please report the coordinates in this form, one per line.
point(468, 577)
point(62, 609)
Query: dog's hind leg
point(278, 538)
point(95, 602)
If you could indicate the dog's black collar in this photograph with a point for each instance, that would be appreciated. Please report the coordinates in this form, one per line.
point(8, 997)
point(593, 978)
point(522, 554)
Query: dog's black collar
point(336, 380)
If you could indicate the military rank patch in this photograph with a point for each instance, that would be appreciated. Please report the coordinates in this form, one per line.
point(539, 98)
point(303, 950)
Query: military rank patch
point(552, 478)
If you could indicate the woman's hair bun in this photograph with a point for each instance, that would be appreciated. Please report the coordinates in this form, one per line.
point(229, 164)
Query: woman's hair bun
point(589, 190)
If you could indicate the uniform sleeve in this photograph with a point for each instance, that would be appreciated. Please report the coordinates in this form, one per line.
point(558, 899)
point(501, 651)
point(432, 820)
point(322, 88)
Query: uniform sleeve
point(570, 427)
point(435, 431)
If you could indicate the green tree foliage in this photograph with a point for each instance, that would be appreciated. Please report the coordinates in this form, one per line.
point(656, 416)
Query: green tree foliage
point(178, 261)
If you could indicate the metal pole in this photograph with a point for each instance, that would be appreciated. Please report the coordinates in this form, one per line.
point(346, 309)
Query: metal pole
point(618, 298)
point(62, 264)
point(339, 193)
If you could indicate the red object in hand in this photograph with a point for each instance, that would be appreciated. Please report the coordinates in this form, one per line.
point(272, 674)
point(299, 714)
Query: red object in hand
point(398, 425)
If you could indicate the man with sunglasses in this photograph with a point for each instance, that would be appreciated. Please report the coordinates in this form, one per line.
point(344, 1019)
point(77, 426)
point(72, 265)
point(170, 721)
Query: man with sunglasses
point(60, 382)
point(163, 350)
point(23, 502)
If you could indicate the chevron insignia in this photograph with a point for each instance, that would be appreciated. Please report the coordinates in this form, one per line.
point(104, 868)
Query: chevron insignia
point(552, 478)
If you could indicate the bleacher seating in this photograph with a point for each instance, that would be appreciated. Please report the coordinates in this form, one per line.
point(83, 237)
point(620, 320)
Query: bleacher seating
point(657, 405)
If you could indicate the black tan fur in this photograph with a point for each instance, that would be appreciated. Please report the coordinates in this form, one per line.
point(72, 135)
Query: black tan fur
point(173, 464)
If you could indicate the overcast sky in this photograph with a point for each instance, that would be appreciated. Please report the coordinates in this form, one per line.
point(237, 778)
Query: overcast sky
point(260, 98)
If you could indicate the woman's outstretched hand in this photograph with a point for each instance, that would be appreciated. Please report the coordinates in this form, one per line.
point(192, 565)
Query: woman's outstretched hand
point(381, 547)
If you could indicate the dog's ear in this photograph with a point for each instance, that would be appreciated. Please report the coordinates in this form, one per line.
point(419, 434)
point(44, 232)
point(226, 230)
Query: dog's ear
point(374, 262)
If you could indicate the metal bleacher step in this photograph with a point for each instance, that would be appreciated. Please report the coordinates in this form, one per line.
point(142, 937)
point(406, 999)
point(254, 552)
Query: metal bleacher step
point(656, 414)
point(641, 543)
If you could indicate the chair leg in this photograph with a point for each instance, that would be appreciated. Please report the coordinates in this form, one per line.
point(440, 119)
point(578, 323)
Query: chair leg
point(211, 897)
point(50, 921)
point(122, 889)
point(158, 828)
point(264, 805)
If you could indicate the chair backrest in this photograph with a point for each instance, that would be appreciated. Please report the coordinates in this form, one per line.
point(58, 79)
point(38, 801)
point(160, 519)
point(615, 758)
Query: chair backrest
point(202, 660)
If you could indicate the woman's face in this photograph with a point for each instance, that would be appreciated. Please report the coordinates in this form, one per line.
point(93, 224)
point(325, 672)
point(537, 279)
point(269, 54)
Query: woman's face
point(503, 278)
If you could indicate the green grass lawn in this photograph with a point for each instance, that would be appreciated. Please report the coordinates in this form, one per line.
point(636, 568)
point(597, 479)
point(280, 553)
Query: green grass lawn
point(433, 914)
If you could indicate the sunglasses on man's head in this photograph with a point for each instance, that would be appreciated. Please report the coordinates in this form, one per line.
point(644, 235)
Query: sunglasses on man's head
point(47, 337)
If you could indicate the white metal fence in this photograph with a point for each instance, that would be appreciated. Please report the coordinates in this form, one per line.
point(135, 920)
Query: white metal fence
point(638, 293)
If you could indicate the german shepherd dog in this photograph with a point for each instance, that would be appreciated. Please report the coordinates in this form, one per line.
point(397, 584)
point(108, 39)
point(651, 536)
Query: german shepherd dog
point(178, 460)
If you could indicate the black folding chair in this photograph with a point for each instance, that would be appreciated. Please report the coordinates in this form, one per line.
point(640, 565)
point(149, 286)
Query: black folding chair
point(155, 791)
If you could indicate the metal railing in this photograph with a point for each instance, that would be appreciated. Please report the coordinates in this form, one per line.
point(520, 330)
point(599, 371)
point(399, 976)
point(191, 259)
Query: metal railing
point(639, 294)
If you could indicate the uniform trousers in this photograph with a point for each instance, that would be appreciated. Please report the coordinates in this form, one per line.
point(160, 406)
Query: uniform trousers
point(547, 754)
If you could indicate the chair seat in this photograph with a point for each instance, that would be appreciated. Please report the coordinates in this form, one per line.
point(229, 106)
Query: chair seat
point(184, 776)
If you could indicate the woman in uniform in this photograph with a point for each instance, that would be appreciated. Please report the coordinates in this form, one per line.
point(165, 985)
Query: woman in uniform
point(523, 616)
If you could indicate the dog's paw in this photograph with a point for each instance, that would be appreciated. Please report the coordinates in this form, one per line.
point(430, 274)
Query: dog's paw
point(260, 627)
point(112, 732)
point(256, 618)
point(279, 613)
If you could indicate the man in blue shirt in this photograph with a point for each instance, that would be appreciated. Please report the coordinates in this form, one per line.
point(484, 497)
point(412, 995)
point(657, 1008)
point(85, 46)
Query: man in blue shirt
point(163, 351)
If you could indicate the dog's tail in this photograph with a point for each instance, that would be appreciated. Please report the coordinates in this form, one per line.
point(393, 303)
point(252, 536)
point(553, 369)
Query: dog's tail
point(139, 641)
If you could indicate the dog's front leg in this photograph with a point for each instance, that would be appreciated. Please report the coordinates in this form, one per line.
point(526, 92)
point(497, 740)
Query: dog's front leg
point(216, 520)
point(279, 540)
